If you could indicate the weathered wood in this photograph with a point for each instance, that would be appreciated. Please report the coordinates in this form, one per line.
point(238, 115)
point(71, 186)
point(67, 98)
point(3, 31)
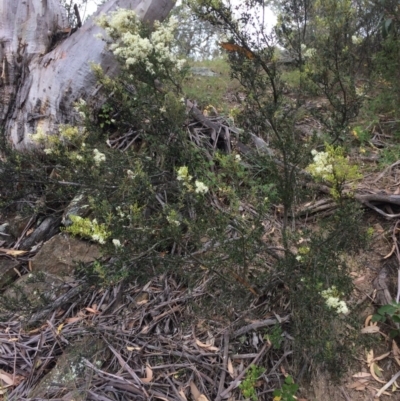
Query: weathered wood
point(45, 64)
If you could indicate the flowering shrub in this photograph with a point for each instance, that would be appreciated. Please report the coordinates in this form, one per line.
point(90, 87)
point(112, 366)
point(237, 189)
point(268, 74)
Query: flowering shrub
point(151, 192)
point(307, 52)
point(332, 300)
point(173, 218)
point(322, 166)
point(183, 175)
point(116, 243)
point(135, 47)
point(87, 228)
point(71, 137)
point(98, 157)
point(201, 188)
point(332, 166)
point(356, 40)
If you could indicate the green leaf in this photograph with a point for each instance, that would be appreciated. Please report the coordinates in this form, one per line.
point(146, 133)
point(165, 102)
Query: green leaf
point(389, 309)
point(378, 318)
point(289, 380)
point(396, 318)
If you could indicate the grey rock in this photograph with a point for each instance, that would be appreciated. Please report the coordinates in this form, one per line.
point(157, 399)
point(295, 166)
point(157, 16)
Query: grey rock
point(78, 207)
point(36, 290)
point(17, 224)
point(60, 254)
point(71, 376)
point(7, 271)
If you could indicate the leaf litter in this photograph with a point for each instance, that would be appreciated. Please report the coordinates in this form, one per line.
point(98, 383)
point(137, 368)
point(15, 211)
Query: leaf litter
point(150, 351)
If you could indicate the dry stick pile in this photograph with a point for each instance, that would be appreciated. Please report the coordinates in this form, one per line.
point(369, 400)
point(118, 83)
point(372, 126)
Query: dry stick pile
point(149, 351)
point(205, 132)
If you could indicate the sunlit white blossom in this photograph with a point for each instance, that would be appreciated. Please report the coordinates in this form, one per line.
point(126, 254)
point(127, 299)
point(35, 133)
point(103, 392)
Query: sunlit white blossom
point(173, 221)
point(98, 157)
point(309, 53)
point(130, 174)
point(332, 300)
point(322, 165)
point(117, 243)
point(201, 188)
point(183, 174)
point(38, 137)
point(123, 26)
point(98, 238)
point(119, 211)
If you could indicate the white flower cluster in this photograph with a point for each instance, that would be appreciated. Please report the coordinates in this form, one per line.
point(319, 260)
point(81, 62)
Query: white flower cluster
point(98, 157)
point(356, 40)
point(310, 53)
point(123, 27)
point(79, 106)
point(360, 91)
point(99, 238)
point(322, 166)
point(173, 221)
point(120, 212)
point(131, 175)
point(67, 135)
point(117, 243)
point(39, 137)
point(307, 52)
point(88, 228)
point(333, 302)
point(183, 175)
point(173, 218)
point(201, 188)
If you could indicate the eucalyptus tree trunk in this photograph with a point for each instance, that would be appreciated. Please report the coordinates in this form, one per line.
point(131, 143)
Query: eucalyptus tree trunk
point(45, 64)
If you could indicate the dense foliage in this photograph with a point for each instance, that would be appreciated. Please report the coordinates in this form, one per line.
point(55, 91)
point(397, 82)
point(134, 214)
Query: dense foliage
point(168, 201)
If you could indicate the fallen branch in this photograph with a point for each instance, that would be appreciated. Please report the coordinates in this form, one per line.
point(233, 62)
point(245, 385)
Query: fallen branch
point(64, 299)
point(387, 385)
point(224, 368)
point(258, 325)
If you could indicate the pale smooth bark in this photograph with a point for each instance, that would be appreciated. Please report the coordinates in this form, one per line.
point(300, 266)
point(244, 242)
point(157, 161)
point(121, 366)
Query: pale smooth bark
point(41, 78)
